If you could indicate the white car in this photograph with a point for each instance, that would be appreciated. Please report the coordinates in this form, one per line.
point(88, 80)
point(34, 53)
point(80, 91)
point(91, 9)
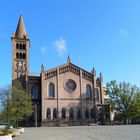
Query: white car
point(2, 126)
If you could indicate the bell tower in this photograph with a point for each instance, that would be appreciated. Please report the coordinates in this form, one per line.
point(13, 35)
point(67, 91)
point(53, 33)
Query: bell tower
point(20, 51)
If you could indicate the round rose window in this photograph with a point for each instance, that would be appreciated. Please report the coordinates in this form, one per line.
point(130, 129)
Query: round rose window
point(70, 85)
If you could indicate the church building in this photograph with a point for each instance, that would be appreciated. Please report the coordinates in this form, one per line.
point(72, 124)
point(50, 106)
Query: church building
point(66, 94)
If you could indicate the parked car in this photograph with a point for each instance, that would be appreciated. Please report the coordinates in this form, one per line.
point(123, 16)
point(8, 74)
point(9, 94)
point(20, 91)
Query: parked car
point(2, 126)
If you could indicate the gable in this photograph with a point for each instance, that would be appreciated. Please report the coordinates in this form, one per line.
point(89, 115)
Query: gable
point(69, 67)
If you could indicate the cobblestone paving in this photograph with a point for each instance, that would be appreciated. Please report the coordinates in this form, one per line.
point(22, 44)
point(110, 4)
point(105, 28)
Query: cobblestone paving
point(128, 132)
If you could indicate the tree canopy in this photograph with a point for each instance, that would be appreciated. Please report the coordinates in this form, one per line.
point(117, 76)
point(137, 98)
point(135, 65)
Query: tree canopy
point(124, 99)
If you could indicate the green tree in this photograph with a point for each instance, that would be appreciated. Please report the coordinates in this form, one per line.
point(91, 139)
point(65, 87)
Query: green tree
point(124, 99)
point(18, 105)
point(21, 105)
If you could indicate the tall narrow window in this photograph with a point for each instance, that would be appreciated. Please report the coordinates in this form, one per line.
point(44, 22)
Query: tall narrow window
point(20, 55)
point(17, 46)
point(78, 114)
point(48, 113)
point(88, 91)
point(71, 113)
point(86, 113)
point(54, 113)
point(24, 56)
point(51, 90)
point(34, 92)
point(20, 46)
point(63, 113)
point(17, 55)
point(23, 47)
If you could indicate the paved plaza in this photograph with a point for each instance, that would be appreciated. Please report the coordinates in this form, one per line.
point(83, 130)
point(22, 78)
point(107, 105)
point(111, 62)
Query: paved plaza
point(124, 132)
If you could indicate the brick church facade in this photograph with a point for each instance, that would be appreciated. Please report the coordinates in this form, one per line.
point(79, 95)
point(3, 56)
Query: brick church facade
point(66, 94)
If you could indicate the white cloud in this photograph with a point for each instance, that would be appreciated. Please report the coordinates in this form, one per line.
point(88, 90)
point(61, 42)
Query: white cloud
point(124, 33)
point(44, 49)
point(60, 46)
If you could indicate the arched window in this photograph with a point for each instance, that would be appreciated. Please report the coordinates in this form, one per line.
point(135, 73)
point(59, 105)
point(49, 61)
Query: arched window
point(17, 46)
point(63, 113)
point(34, 92)
point(86, 113)
point(71, 113)
point(20, 46)
point(24, 56)
point(17, 55)
point(48, 113)
point(20, 56)
point(51, 90)
point(92, 113)
point(78, 114)
point(88, 91)
point(23, 47)
point(54, 113)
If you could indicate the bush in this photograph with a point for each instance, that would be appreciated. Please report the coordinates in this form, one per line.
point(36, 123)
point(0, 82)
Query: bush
point(7, 130)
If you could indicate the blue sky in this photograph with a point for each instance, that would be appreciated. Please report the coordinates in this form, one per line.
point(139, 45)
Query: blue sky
point(104, 34)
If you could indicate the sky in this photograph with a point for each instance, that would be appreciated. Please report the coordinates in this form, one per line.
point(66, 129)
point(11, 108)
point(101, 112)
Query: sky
point(104, 34)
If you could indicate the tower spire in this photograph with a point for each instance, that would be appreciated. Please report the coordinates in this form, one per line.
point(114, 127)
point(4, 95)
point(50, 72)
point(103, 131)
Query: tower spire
point(20, 31)
point(68, 59)
point(101, 76)
point(93, 71)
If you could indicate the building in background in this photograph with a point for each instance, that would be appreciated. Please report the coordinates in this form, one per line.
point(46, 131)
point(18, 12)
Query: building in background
point(66, 94)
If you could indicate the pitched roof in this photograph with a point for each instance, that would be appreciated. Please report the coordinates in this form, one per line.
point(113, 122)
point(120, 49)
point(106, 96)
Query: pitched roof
point(20, 31)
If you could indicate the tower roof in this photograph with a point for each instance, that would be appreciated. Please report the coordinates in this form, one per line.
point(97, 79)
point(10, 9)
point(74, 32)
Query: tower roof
point(20, 31)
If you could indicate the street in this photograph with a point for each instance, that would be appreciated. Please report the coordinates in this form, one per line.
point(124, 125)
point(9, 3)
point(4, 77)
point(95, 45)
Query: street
point(120, 132)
